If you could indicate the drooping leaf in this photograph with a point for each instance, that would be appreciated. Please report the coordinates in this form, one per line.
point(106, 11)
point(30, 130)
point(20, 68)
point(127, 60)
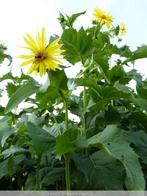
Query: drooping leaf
point(98, 169)
point(114, 143)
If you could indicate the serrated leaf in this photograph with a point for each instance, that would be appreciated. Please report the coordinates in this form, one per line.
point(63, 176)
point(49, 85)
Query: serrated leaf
point(77, 44)
point(67, 21)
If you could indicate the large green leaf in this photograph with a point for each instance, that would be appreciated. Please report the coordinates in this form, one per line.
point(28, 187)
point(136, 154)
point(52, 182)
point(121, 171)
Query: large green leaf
point(98, 169)
point(114, 143)
point(67, 142)
point(77, 44)
point(21, 94)
point(41, 140)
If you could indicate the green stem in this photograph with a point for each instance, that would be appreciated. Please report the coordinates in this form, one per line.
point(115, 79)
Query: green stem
point(67, 171)
point(66, 156)
point(84, 107)
point(66, 115)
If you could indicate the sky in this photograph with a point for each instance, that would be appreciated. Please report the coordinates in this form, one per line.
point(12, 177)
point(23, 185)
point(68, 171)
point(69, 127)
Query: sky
point(20, 16)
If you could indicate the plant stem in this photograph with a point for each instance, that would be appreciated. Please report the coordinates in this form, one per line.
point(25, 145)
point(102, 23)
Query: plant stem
point(84, 107)
point(66, 115)
point(66, 156)
point(67, 172)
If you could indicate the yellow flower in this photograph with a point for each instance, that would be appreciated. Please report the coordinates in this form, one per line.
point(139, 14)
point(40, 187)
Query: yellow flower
point(42, 56)
point(103, 17)
point(122, 29)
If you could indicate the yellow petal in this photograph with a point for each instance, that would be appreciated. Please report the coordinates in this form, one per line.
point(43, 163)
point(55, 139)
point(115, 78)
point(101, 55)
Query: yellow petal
point(54, 42)
point(33, 67)
point(52, 65)
point(27, 62)
point(22, 56)
point(42, 69)
point(31, 44)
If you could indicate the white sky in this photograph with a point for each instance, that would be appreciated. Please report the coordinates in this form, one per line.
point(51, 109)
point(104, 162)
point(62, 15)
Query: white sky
point(20, 16)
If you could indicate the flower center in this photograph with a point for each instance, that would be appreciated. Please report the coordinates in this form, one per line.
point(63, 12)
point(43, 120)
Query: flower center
point(103, 17)
point(41, 56)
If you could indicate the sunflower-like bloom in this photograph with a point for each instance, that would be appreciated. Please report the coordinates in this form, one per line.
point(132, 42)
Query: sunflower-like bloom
point(122, 29)
point(42, 56)
point(103, 17)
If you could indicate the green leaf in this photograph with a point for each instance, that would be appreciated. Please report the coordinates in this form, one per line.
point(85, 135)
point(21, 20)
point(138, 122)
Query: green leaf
point(142, 103)
point(58, 79)
point(67, 142)
point(67, 21)
point(73, 17)
point(12, 150)
point(141, 52)
point(51, 175)
point(5, 129)
point(77, 44)
point(5, 165)
point(3, 55)
point(41, 140)
point(114, 143)
point(122, 88)
point(98, 169)
point(142, 89)
point(56, 129)
point(89, 82)
point(11, 89)
point(21, 94)
point(117, 73)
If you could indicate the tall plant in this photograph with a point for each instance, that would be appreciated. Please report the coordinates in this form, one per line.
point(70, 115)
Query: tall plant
point(92, 141)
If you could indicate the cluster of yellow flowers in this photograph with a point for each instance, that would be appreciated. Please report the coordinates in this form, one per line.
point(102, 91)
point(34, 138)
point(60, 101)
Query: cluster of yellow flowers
point(106, 18)
point(44, 56)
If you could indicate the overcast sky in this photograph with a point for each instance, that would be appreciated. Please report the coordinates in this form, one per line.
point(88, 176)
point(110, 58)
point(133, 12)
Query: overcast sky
point(20, 16)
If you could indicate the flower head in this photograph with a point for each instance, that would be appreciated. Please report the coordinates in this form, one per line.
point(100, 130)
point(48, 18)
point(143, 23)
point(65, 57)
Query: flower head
point(42, 56)
point(103, 17)
point(122, 29)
